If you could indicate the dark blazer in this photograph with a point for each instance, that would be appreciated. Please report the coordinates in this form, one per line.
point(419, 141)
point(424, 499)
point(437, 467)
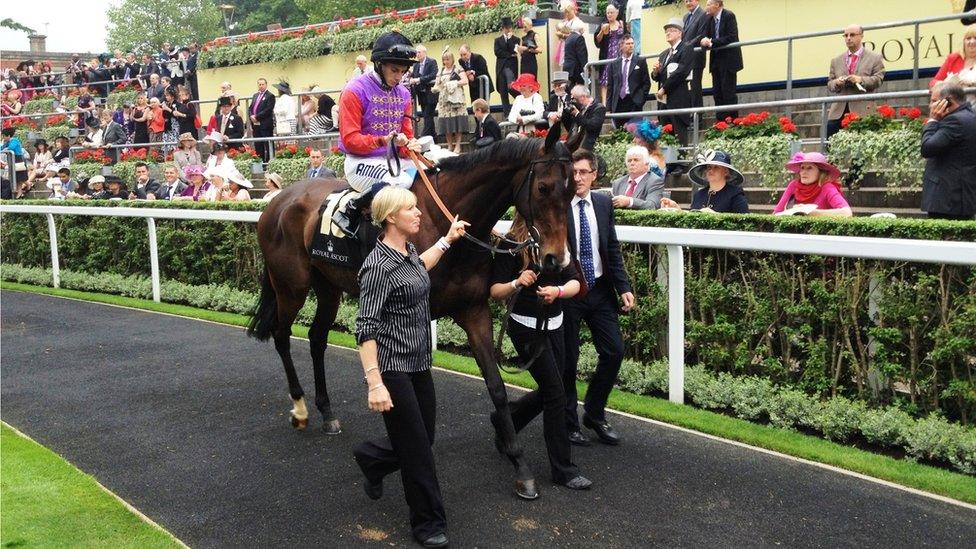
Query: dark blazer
point(638, 77)
point(608, 246)
point(427, 73)
point(575, 58)
point(676, 85)
point(235, 125)
point(114, 134)
point(265, 113)
point(728, 31)
point(696, 28)
point(479, 65)
point(591, 121)
point(162, 191)
point(155, 91)
point(949, 147)
point(324, 172)
point(486, 133)
point(505, 59)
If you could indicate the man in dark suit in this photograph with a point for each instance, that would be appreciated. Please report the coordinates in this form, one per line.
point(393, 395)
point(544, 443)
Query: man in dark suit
point(191, 70)
point(316, 166)
point(575, 57)
point(949, 149)
point(422, 76)
point(475, 66)
point(229, 123)
point(506, 63)
point(695, 27)
point(487, 130)
point(725, 63)
point(171, 185)
point(671, 71)
point(588, 114)
point(261, 115)
point(593, 243)
point(112, 134)
point(628, 81)
point(155, 88)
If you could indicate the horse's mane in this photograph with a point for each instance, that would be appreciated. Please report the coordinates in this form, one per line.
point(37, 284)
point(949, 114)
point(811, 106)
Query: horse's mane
point(507, 152)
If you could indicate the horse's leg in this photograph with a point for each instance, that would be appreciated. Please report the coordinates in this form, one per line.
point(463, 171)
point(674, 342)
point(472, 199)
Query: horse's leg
point(318, 339)
point(477, 324)
point(290, 301)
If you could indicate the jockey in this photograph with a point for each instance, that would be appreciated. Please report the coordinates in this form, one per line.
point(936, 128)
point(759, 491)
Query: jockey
point(375, 109)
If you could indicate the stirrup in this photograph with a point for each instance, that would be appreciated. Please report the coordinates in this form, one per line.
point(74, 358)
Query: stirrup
point(345, 223)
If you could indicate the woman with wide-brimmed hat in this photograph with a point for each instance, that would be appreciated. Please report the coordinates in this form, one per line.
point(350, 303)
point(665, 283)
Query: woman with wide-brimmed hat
point(528, 108)
point(723, 185)
point(235, 186)
point(274, 183)
point(199, 189)
point(186, 154)
point(816, 190)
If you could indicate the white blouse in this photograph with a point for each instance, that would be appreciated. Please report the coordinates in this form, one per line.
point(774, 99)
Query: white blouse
point(533, 103)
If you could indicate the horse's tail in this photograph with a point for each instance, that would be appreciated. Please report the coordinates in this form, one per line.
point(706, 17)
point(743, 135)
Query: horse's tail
point(264, 317)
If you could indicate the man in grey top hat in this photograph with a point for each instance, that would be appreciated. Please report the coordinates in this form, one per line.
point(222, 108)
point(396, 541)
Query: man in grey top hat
point(671, 71)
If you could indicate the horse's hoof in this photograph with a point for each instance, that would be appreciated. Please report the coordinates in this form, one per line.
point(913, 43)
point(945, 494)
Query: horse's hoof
point(525, 489)
point(299, 424)
point(332, 427)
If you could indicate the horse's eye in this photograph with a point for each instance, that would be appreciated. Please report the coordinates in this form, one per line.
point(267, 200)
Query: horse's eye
point(544, 189)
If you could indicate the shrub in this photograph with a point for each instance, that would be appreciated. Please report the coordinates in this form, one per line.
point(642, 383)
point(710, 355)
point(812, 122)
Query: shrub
point(963, 457)
point(839, 418)
point(930, 438)
point(750, 396)
point(765, 156)
point(290, 169)
point(643, 378)
point(885, 426)
point(790, 408)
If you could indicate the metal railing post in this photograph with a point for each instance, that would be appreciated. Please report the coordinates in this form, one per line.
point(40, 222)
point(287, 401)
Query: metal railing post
point(918, 46)
point(789, 74)
point(676, 324)
point(153, 258)
point(823, 128)
point(52, 232)
point(695, 123)
point(433, 335)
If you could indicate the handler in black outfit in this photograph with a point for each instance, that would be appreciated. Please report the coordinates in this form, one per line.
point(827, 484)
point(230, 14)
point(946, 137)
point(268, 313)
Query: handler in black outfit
point(506, 63)
point(393, 332)
point(535, 326)
point(593, 242)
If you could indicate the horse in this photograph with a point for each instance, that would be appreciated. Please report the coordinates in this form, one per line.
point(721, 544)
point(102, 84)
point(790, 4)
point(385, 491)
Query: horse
point(532, 174)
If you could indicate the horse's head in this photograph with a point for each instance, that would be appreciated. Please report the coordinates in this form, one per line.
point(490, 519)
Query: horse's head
point(542, 199)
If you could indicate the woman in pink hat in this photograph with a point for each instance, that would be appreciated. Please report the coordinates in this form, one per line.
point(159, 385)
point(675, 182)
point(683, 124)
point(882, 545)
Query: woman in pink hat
point(817, 186)
point(528, 108)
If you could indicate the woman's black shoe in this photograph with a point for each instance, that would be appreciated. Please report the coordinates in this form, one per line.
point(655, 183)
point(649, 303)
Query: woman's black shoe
point(437, 540)
point(374, 490)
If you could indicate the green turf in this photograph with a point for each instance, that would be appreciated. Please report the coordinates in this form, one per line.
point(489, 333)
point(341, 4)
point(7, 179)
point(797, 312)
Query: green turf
point(903, 472)
point(48, 503)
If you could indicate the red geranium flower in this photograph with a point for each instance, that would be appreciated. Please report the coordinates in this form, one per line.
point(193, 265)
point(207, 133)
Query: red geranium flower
point(668, 128)
point(335, 149)
point(377, 11)
point(886, 111)
point(914, 113)
point(721, 126)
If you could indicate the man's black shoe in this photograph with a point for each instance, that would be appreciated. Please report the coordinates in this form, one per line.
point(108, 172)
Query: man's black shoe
point(603, 430)
point(437, 540)
point(578, 438)
point(579, 482)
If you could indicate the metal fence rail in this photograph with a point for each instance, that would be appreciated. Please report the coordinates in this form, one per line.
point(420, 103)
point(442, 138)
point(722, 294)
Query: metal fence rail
point(675, 240)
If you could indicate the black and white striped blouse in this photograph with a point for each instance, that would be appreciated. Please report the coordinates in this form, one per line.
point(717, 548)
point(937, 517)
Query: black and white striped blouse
point(394, 308)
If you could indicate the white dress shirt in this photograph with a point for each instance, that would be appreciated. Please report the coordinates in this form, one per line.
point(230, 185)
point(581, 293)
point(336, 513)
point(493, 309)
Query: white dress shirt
point(594, 232)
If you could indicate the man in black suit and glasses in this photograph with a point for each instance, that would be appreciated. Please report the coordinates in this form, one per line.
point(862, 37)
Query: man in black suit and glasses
point(724, 64)
point(593, 242)
point(628, 81)
point(696, 25)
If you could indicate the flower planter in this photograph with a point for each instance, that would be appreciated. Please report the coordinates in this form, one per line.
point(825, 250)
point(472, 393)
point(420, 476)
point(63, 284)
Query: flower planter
point(33, 136)
point(670, 154)
point(257, 168)
point(106, 170)
point(74, 132)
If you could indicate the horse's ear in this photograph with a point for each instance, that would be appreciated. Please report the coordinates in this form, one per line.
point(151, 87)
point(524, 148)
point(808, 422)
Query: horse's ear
point(552, 138)
point(575, 140)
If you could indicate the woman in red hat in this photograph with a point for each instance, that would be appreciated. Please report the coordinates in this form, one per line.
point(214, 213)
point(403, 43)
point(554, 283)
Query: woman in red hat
point(816, 191)
point(528, 107)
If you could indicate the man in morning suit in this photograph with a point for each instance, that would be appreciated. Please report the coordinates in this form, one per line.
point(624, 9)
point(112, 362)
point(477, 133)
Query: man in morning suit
point(261, 115)
point(628, 81)
point(575, 57)
point(475, 65)
point(695, 27)
point(506, 63)
point(725, 63)
point(949, 149)
point(593, 242)
point(229, 123)
point(487, 130)
point(316, 166)
point(588, 113)
point(671, 71)
point(422, 76)
point(856, 71)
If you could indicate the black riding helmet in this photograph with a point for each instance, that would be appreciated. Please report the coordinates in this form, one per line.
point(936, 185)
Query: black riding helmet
point(394, 47)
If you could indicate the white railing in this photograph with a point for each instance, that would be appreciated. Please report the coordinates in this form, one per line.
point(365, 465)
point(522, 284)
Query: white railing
point(675, 240)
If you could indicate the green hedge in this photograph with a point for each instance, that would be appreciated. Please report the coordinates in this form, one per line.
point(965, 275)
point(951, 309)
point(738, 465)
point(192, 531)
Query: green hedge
point(798, 321)
point(931, 438)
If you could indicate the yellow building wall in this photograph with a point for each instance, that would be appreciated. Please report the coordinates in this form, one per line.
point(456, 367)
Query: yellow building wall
point(756, 18)
point(811, 57)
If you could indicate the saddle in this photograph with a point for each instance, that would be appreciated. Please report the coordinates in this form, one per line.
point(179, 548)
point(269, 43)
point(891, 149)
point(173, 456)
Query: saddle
point(331, 244)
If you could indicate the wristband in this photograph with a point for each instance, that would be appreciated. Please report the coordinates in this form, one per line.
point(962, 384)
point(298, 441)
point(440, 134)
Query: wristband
point(560, 291)
point(442, 244)
point(515, 285)
point(374, 387)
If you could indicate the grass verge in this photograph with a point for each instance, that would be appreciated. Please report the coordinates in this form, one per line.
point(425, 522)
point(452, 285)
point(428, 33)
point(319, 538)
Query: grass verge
point(904, 472)
point(47, 502)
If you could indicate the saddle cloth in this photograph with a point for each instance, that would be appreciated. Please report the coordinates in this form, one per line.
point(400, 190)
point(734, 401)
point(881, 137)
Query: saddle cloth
point(332, 204)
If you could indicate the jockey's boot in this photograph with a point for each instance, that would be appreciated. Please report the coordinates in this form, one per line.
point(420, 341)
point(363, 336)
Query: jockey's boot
point(348, 219)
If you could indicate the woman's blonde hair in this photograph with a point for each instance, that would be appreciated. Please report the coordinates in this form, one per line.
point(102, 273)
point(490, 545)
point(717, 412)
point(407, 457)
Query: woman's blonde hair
point(389, 201)
point(970, 32)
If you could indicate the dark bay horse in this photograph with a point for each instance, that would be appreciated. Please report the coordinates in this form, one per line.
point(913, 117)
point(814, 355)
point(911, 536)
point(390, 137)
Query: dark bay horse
point(532, 175)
